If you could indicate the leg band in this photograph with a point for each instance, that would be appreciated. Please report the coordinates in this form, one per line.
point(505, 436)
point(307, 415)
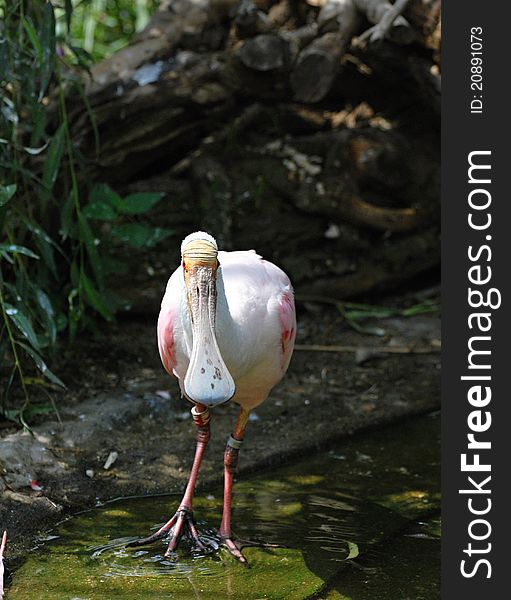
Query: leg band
point(233, 443)
point(201, 419)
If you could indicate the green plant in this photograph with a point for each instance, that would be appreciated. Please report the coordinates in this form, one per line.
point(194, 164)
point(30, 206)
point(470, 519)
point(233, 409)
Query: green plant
point(55, 255)
point(118, 216)
point(102, 27)
point(355, 314)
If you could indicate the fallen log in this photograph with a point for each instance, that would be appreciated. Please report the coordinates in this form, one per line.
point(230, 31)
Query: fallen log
point(264, 122)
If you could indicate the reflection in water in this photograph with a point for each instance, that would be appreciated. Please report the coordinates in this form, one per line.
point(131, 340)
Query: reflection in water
point(356, 523)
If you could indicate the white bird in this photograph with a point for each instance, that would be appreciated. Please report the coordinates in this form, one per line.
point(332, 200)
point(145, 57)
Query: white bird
point(226, 330)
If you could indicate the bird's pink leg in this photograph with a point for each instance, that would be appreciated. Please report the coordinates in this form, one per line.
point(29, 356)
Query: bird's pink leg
point(230, 464)
point(182, 521)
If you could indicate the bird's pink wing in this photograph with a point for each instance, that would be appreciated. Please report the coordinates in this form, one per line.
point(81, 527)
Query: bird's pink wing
point(166, 344)
point(287, 327)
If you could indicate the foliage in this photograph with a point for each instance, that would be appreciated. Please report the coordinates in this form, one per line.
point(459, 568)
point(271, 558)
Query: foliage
point(56, 235)
point(355, 314)
point(102, 27)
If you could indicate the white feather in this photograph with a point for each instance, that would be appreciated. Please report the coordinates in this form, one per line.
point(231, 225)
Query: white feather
point(198, 235)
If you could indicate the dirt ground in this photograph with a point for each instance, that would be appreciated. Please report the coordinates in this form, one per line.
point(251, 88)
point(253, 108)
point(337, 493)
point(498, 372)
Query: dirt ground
point(121, 401)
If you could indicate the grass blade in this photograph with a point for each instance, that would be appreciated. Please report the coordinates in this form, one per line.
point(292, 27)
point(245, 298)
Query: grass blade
point(16, 249)
point(6, 193)
point(88, 238)
point(18, 317)
point(47, 313)
point(41, 365)
point(95, 299)
point(48, 48)
point(52, 164)
point(34, 38)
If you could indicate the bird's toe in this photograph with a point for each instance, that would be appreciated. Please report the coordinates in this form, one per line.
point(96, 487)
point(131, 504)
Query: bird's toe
point(234, 549)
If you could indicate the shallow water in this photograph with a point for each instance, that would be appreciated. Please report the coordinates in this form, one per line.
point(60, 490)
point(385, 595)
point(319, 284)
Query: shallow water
point(359, 522)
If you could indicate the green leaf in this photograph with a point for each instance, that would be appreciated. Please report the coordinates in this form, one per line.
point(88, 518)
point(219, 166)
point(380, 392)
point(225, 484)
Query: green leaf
point(41, 365)
point(47, 253)
point(34, 38)
point(74, 273)
point(15, 249)
point(95, 299)
point(114, 265)
point(369, 329)
point(90, 113)
point(47, 313)
point(376, 312)
point(32, 411)
point(45, 245)
point(99, 210)
point(87, 236)
point(11, 414)
point(137, 204)
point(138, 235)
point(68, 8)
point(67, 222)
point(61, 322)
point(52, 164)
point(40, 115)
point(47, 38)
point(18, 415)
point(104, 194)
point(6, 193)
point(22, 323)
point(429, 306)
point(4, 60)
point(84, 59)
point(74, 305)
point(7, 257)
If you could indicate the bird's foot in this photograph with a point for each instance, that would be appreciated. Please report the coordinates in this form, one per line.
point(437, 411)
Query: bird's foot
point(182, 523)
point(235, 546)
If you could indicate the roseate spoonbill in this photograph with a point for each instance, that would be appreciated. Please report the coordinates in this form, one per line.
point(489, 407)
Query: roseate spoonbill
point(226, 330)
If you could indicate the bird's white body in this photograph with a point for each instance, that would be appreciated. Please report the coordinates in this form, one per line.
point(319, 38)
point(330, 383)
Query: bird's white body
point(255, 324)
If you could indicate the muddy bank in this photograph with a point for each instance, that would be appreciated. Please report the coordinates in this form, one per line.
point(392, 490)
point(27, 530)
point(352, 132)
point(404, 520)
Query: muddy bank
point(123, 403)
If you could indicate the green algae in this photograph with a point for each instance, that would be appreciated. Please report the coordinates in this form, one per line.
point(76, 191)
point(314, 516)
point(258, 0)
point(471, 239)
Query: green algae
point(359, 522)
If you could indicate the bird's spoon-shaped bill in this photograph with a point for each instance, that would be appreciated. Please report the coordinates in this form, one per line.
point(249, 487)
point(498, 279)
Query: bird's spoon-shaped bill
point(207, 379)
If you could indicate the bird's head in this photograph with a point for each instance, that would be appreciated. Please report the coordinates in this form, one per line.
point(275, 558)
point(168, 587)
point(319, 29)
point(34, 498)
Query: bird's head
point(199, 253)
point(207, 379)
